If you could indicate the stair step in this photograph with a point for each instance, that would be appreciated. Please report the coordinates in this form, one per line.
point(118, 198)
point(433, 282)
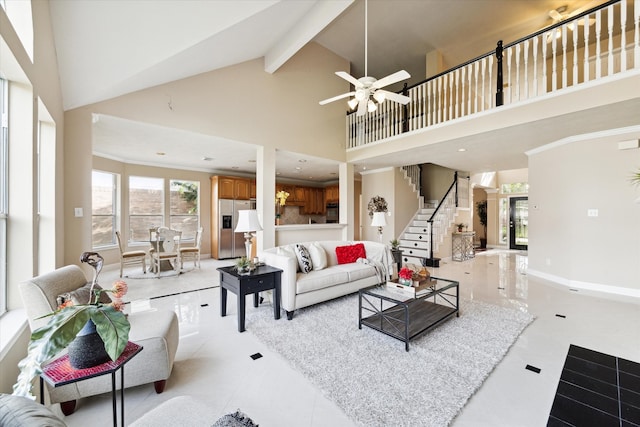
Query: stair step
point(413, 252)
point(419, 223)
point(418, 230)
point(414, 244)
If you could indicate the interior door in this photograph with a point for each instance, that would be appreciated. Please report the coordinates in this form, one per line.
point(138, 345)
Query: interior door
point(518, 223)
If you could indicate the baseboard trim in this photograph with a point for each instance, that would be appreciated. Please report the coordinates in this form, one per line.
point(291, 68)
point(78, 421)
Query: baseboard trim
point(595, 287)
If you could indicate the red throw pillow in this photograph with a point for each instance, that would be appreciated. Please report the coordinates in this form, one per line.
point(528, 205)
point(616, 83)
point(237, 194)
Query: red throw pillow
point(351, 253)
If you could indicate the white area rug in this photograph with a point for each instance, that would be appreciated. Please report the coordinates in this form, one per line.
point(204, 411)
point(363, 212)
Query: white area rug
point(371, 376)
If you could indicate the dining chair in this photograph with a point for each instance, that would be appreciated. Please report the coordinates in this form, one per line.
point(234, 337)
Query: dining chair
point(192, 252)
point(130, 257)
point(167, 250)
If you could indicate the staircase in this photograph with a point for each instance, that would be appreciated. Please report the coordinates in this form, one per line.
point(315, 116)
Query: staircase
point(429, 226)
point(415, 242)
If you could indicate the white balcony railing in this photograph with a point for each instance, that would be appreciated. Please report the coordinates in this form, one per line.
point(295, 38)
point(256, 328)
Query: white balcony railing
point(563, 56)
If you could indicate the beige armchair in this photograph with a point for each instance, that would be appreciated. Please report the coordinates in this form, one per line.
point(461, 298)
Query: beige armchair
point(131, 257)
point(188, 253)
point(156, 331)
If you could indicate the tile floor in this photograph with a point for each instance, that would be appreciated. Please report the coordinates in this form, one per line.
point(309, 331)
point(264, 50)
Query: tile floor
point(213, 362)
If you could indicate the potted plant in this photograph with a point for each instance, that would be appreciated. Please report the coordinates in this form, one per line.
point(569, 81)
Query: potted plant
point(243, 265)
point(481, 209)
point(460, 226)
point(66, 323)
point(281, 200)
point(396, 252)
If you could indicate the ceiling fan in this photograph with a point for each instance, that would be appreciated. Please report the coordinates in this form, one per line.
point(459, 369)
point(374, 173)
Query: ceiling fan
point(368, 87)
point(560, 14)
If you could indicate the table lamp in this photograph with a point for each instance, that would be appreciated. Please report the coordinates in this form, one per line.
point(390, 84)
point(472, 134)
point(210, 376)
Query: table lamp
point(248, 223)
point(379, 221)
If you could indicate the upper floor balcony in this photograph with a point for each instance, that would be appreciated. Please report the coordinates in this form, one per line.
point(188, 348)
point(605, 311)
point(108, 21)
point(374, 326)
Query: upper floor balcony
point(592, 50)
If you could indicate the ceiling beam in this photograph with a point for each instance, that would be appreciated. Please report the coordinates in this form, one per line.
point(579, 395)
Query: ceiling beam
point(321, 15)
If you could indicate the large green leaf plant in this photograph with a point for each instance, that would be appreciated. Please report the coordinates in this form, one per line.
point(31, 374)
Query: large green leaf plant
point(63, 326)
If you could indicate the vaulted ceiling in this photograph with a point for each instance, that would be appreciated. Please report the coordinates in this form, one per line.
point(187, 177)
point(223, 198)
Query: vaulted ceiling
point(109, 48)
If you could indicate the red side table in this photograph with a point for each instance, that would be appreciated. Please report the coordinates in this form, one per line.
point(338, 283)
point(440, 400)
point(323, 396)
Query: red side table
point(59, 372)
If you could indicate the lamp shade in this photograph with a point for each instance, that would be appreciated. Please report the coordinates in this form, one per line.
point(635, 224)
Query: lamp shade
point(248, 221)
point(378, 219)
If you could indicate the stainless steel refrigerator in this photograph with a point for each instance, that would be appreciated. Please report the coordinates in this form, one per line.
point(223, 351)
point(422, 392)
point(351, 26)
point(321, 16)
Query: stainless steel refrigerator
point(230, 243)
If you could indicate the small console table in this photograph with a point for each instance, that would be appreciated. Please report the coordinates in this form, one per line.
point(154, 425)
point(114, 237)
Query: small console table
point(462, 245)
point(261, 279)
point(60, 372)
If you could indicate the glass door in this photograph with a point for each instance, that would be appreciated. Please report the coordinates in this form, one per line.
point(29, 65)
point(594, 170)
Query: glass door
point(518, 223)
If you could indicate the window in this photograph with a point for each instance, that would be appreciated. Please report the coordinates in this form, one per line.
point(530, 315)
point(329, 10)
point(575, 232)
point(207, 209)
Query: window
point(184, 214)
point(4, 186)
point(515, 187)
point(104, 208)
point(146, 206)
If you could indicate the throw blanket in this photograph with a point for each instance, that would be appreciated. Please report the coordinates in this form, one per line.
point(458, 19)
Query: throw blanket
point(381, 270)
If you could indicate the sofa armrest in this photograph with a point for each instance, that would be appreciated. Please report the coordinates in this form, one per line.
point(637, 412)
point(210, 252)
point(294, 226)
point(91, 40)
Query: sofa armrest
point(289, 267)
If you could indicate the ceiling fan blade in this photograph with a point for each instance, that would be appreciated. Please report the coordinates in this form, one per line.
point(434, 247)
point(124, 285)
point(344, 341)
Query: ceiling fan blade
point(349, 78)
point(395, 97)
point(391, 79)
point(335, 98)
point(555, 15)
point(362, 107)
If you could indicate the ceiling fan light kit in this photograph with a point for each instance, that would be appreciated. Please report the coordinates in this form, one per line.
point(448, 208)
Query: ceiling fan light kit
point(368, 87)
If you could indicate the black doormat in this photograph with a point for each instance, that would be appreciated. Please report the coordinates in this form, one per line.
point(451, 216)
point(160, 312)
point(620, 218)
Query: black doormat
point(596, 389)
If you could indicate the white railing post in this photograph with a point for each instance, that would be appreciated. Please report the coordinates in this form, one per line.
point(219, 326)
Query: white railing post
point(636, 42)
point(598, 58)
point(610, 68)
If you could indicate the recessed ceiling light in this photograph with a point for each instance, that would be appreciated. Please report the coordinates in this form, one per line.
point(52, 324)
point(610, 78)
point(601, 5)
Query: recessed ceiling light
point(207, 159)
point(298, 168)
point(277, 173)
point(235, 167)
point(252, 161)
point(462, 150)
point(333, 173)
point(302, 161)
point(161, 153)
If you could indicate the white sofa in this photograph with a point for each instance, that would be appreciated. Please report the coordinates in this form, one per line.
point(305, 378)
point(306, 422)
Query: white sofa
point(300, 289)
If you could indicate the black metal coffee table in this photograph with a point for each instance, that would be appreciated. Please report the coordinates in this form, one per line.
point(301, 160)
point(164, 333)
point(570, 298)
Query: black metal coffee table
point(404, 317)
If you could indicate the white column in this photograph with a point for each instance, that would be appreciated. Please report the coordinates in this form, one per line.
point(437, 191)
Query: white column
point(347, 199)
point(265, 196)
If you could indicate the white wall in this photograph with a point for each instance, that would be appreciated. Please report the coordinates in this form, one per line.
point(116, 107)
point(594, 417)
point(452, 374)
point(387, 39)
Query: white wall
point(278, 115)
point(566, 245)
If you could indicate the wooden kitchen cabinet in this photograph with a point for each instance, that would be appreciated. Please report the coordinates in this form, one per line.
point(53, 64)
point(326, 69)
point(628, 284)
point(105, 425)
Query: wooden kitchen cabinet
point(226, 187)
point(229, 187)
point(332, 194)
point(242, 189)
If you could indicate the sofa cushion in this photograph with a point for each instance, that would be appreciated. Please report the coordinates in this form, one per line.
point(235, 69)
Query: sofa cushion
point(318, 256)
point(350, 253)
point(290, 252)
point(304, 258)
point(320, 279)
point(18, 411)
point(357, 271)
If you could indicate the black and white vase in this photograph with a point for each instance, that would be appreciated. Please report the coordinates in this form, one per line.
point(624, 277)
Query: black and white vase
point(87, 349)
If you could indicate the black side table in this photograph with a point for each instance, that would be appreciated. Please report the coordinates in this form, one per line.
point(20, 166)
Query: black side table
point(261, 279)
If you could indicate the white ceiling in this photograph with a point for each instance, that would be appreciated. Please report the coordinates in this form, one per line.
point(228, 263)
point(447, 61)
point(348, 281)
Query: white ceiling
point(107, 48)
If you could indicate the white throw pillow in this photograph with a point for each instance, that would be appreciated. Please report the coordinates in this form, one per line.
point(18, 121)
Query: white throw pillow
point(304, 259)
point(290, 252)
point(318, 256)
